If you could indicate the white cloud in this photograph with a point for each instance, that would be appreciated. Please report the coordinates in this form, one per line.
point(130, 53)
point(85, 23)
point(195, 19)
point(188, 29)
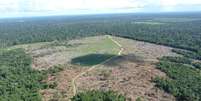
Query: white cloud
point(82, 4)
point(9, 5)
point(179, 2)
point(57, 5)
point(111, 4)
point(173, 5)
point(16, 6)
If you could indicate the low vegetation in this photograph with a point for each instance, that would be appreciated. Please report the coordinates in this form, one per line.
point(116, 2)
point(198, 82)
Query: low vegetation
point(98, 96)
point(182, 60)
point(197, 65)
point(189, 54)
point(184, 80)
point(18, 81)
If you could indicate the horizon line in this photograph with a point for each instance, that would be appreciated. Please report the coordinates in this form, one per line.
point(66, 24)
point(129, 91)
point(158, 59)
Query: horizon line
point(93, 14)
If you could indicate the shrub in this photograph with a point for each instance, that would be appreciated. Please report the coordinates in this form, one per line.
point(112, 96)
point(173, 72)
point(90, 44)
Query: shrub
point(98, 96)
point(197, 65)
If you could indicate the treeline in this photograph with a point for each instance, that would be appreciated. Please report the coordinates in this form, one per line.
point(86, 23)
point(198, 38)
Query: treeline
point(182, 60)
point(182, 31)
point(189, 54)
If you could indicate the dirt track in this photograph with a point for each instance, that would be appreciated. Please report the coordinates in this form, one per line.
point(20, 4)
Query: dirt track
point(130, 74)
point(93, 67)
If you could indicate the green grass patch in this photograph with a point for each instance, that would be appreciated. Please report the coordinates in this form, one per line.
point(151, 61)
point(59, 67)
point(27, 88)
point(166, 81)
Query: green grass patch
point(105, 45)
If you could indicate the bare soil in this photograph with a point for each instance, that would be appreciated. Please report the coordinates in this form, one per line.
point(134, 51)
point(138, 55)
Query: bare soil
point(132, 79)
point(64, 90)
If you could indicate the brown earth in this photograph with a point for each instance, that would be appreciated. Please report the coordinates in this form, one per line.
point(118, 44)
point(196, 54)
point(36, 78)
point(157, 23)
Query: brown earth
point(132, 79)
point(63, 79)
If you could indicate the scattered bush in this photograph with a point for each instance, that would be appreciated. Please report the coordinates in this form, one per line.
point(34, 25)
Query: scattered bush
point(188, 54)
point(98, 96)
point(197, 65)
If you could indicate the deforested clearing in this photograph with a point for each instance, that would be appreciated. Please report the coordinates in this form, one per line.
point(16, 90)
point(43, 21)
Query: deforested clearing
point(131, 73)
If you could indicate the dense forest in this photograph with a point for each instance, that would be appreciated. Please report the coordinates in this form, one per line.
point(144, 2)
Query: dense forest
point(18, 81)
point(179, 30)
point(185, 78)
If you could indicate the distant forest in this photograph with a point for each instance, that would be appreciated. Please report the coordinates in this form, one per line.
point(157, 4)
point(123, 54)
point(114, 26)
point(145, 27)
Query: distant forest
point(181, 30)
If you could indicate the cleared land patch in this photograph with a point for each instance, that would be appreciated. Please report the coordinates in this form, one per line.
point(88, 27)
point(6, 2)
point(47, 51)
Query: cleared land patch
point(149, 23)
point(87, 60)
point(130, 74)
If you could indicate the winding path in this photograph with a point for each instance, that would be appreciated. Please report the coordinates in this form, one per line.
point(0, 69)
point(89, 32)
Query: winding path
point(93, 67)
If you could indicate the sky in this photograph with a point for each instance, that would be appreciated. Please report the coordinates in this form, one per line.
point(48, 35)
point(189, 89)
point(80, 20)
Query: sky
point(21, 8)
